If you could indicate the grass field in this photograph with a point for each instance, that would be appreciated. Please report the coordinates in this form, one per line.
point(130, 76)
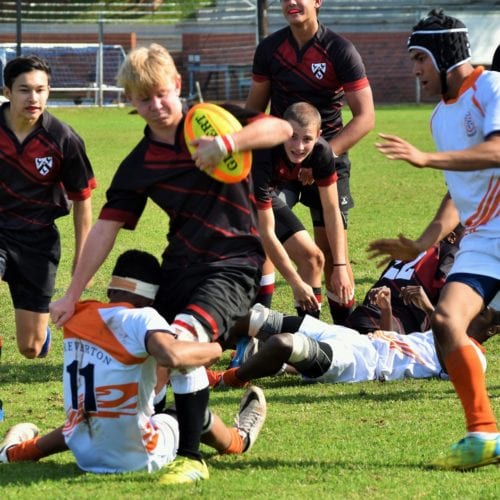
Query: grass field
point(370, 440)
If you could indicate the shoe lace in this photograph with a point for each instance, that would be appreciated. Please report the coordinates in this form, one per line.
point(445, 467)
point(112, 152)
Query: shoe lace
point(245, 422)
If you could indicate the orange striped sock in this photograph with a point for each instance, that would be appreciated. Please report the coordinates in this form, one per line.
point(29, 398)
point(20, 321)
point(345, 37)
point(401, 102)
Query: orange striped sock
point(26, 451)
point(467, 376)
point(237, 443)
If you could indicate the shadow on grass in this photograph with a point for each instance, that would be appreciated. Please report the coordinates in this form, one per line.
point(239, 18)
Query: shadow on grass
point(31, 371)
point(29, 472)
point(26, 474)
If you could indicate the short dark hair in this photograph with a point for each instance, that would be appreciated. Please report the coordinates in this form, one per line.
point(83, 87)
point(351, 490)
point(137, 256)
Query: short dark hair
point(304, 114)
point(24, 64)
point(139, 265)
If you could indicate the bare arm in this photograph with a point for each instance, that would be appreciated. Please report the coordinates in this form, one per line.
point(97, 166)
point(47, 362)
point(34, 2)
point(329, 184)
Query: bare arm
point(381, 297)
point(363, 120)
point(302, 292)
point(99, 243)
point(259, 134)
point(415, 294)
point(336, 238)
point(178, 354)
point(258, 96)
point(402, 248)
point(479, 157)
point(82, 222)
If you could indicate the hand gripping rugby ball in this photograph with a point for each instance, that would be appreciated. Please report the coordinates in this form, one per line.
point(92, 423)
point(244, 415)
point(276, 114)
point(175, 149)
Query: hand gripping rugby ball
point(212, 120)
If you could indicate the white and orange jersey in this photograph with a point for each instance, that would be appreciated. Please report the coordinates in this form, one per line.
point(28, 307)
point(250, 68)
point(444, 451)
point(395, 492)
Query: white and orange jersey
point(462, 123)
point(109, 380)
point(380, 356)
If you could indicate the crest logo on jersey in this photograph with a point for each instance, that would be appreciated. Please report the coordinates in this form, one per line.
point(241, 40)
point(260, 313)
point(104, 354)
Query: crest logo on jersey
point(470, 126)
point(319, 70)
point(44, 165)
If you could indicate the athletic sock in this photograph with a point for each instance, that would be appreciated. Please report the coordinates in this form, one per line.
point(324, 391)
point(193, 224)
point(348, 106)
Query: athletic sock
point(27, 451)
point(237, 443)
point(316, 314)
point(190, 410)
point(340, 312)
point(230, 378)
point(467, 376)
point(266, 290)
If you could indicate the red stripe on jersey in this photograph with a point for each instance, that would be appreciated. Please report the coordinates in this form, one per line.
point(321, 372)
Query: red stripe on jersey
point(84, 193)
point(357, 85)
point(185, 326)
point(328, 181)
point(128, 218)
point(265, 205)
point(207, 317)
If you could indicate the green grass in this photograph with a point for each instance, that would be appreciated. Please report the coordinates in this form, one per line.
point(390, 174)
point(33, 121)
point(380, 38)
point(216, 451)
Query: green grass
point(369, 440)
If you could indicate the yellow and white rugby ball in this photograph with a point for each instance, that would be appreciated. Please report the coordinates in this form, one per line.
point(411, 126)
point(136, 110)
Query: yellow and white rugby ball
point(212, 120)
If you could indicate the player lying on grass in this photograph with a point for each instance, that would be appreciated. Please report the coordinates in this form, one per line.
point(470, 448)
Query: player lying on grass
point(425, 275)
point(331, 353)
point(110, 356)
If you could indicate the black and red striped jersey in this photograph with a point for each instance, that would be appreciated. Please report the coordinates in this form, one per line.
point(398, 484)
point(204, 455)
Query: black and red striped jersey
point(39, 175)
point(318, 73)
point(209, 221)
point(271, 170)
point(428, 270)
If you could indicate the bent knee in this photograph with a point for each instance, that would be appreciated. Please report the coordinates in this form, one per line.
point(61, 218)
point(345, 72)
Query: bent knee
point(315, 259)
point(280, 343)
point(29, 352)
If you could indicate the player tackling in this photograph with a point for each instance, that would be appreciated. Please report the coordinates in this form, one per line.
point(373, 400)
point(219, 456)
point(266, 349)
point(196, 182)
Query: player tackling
point(466, 129)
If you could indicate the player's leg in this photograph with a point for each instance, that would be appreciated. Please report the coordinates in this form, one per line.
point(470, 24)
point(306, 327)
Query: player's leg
point(210, 301)
point(248, 423)
point(32, 333)
point(343, 165)
point(459, 303)
point(300, 248)
point(30, 273)
point(309, 357)
point(339, 311)
point(23, 444)
point(267, 284)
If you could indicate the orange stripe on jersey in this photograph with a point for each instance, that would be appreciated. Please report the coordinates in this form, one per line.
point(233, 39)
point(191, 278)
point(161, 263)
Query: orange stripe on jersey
point(150, 437)
point(476, 103)
point(468, 83)
point(488, 208)
point(398, 345)
point(120, 396)
point(87, 325)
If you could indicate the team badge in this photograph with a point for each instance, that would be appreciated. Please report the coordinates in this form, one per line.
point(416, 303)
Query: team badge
point(44, 165)
point(319, 70)
point(470, 126)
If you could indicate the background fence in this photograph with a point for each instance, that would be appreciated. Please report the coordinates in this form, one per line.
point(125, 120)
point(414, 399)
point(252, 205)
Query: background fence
point(213, 41)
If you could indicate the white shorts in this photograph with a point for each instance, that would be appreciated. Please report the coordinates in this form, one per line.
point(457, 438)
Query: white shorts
point(168, 441)
point(478, 255)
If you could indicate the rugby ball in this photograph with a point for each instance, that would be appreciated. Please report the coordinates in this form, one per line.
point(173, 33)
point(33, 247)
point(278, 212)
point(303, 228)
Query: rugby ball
point(211, 120)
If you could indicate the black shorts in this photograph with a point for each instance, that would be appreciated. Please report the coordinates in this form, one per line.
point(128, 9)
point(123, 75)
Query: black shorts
point(32, 259)
point(294, 192)
point(286, 222)
point(216, 294)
